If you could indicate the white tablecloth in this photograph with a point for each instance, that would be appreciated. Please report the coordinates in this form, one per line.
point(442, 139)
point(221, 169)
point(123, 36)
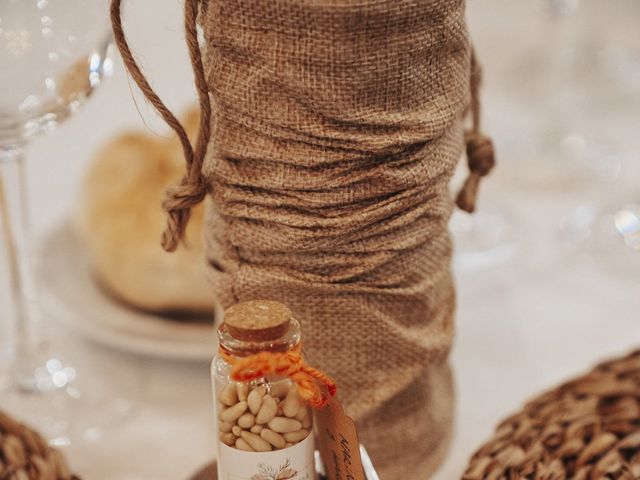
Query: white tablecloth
point(522, 326)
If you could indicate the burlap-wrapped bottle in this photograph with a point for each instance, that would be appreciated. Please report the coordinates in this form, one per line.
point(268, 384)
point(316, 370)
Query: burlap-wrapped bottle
point(336, 128)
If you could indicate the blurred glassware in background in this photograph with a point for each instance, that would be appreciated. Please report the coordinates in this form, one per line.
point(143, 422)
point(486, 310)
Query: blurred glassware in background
point(5, 327)
point(584, 70)
point(53, 54)
point(607, 76)
point(482, 239)
point(574, 101)
point(609, 233)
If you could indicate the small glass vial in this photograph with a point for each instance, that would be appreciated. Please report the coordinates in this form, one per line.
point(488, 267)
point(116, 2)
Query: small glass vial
point(265, 429)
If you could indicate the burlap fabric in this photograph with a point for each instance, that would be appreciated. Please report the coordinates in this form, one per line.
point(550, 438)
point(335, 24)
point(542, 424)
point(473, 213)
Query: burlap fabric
point(336, 128)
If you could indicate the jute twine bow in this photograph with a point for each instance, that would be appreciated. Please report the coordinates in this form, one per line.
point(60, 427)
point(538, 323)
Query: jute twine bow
point(480, 153)
point(193, 187)
point(314, 386)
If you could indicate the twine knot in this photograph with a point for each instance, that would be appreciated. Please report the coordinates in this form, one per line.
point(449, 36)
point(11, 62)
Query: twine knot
point(186, 193)
point(314, 386)
point(180, 198)
point(481, 160)
point(480, 154)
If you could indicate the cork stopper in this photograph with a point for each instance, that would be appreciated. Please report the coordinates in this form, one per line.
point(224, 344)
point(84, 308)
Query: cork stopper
point(258, 320)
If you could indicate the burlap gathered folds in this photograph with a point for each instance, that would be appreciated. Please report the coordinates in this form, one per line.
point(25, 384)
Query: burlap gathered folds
point(337, 125)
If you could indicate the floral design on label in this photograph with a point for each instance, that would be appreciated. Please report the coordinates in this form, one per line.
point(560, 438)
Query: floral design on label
point(267, 472)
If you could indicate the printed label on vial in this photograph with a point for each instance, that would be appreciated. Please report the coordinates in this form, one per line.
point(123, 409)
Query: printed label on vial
point(293, 463)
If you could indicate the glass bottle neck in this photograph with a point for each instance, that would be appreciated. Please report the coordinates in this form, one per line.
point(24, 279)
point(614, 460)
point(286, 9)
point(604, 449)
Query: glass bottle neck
point(241, 348)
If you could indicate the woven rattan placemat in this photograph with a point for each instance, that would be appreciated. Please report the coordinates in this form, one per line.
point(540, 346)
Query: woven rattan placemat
point(25, 455)
point(588, 428)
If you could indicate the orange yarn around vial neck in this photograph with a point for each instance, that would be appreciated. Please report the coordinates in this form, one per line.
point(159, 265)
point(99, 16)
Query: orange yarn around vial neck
point(314, 386)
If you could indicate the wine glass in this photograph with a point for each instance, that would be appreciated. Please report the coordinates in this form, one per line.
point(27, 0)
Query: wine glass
point(53, 55)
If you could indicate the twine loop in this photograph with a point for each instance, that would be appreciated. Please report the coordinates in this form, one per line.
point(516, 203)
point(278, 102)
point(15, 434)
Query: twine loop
point(193, 187)
point(179, 200)
point(314, 386)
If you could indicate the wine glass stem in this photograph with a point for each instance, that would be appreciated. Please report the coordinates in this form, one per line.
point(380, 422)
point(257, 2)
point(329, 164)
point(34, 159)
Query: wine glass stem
point(30, 350)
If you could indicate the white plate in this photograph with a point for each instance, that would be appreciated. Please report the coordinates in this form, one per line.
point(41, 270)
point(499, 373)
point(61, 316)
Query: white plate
point(69, 292)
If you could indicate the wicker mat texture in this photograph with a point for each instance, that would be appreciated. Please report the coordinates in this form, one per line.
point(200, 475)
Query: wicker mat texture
point(588, 428)
point(25, 455)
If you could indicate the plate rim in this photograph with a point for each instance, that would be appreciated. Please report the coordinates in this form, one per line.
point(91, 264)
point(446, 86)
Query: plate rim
point(61, 312)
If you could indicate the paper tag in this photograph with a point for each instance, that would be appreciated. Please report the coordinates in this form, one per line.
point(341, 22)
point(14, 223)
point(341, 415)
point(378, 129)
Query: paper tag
point(338, 443)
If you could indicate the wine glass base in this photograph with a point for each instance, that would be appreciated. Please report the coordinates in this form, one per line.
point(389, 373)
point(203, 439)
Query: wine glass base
point(69, 406)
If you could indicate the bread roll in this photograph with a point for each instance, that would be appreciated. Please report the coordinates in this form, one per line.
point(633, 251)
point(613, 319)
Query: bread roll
point(121, 222)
